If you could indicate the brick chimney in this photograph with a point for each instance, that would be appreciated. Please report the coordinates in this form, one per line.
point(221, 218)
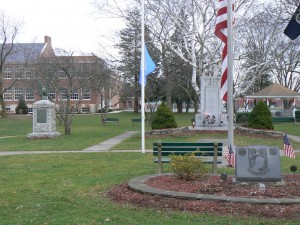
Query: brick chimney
point(47, 50)
point(47, 40)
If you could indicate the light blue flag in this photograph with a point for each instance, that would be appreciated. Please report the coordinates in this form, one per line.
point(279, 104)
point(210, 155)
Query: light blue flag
point(149, 66)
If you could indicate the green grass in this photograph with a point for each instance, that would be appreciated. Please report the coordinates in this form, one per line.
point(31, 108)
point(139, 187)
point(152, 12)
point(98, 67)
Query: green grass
point(60, 188)
point(70, 189)
point(87, 131)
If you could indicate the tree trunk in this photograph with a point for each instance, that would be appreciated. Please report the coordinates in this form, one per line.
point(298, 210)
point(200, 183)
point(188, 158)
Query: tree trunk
point(179, 106)
point(169, 83)
point(196, 105)
point(67, 129)
point(3, 113)
point(187, 107)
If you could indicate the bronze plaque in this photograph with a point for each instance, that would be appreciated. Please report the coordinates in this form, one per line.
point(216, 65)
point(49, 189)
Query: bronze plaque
point(41, 116)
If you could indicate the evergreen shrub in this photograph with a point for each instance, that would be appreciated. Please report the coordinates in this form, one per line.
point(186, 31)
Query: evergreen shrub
point(163, 118)
point(242, 117)
point(21, 107)
point(297, 115)
point(260, 117)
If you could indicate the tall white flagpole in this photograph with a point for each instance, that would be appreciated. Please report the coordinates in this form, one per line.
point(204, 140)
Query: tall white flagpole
point(230, 75)
point(143, 75)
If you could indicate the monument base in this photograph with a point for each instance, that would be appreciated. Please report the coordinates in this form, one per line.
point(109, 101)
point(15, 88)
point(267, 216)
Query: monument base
point(43, 135)
point(205, 121)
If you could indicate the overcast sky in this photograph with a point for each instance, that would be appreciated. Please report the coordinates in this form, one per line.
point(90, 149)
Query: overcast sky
point(71, 24)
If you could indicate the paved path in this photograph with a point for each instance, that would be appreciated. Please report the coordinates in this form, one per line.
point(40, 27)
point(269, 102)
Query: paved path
point(108, 144)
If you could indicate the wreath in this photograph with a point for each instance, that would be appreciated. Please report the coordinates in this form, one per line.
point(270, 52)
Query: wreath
point(211, 119)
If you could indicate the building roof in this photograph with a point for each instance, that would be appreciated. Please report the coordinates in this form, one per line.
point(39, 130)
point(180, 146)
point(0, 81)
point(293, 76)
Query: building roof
point(27, 52)
point(24, 52)
point(275, 91)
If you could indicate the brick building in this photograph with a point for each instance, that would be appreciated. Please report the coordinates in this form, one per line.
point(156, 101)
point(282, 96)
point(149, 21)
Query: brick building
point(21, 77)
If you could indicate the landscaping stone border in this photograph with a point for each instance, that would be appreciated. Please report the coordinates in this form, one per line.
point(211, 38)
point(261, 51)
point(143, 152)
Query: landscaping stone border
point(138, 184)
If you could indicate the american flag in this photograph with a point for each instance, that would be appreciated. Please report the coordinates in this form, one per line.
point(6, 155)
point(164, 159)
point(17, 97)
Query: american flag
point(287, 147)
point(221, 33)
point(230, 156)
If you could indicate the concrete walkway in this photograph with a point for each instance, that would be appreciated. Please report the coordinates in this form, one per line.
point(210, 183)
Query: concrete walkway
point(109, 143)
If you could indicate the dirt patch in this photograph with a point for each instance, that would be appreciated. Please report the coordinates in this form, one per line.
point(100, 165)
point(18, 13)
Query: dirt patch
point(214, 185)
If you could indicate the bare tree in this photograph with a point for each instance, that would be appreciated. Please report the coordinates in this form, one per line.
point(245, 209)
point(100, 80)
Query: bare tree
point(265, 54)
point(67, 80)
point(106, 84)
point(9, 30)
point(286, 66)
point(195, 21)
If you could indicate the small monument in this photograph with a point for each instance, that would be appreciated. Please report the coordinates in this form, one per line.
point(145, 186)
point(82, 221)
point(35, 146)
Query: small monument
point(210, 115)
point(258, 164)
point(44, 119)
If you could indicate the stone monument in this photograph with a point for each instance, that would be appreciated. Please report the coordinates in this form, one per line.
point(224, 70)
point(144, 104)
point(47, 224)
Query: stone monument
point(211, 104)
point(44, 119)
point(258, 164)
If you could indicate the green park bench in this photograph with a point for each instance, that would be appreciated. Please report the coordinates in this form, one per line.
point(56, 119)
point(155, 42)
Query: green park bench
point(136, 120)
point(208, 152)
point(282, 119)
point(112, 120)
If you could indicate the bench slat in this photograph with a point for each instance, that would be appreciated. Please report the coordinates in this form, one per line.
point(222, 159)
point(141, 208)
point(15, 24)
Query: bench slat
point(183, 153)
point(112, 120)
point(203, 150)
point(188, 144)
point(168, 160)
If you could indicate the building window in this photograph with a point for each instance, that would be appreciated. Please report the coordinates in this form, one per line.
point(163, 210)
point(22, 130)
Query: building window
point(86, 93)
point(85, 110)
point(51, 95)
point(30, 110)
point(29, 95)
point(63, 93)
point(18, 72)
point(75, 94)
point(7, 72)
point(29, 73)
point(18, 93)
point(61, 74)
point(8, 95)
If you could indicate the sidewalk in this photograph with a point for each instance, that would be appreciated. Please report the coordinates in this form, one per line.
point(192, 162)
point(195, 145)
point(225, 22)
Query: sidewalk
point(109, 143)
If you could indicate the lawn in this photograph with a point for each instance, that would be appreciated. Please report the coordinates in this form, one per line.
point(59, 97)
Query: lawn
point(70, 188)
point(87, 131)
point(61, 188)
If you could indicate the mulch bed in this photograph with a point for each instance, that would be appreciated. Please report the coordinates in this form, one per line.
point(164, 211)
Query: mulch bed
point(214, 185)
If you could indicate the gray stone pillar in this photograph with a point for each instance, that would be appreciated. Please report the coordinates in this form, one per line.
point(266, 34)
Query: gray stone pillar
point(44, 120)
point(211, 114)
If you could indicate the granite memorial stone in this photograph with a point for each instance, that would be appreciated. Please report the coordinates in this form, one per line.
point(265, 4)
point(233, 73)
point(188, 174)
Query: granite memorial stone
point(258, 164)
point(44, 120)
point(211, 103)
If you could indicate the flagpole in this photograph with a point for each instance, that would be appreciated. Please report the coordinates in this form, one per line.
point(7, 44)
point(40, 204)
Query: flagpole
point(230, 75)
point(143, 76)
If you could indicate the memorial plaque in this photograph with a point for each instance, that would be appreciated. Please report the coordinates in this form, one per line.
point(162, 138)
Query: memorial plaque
point(41, 116)
point(258, 163)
